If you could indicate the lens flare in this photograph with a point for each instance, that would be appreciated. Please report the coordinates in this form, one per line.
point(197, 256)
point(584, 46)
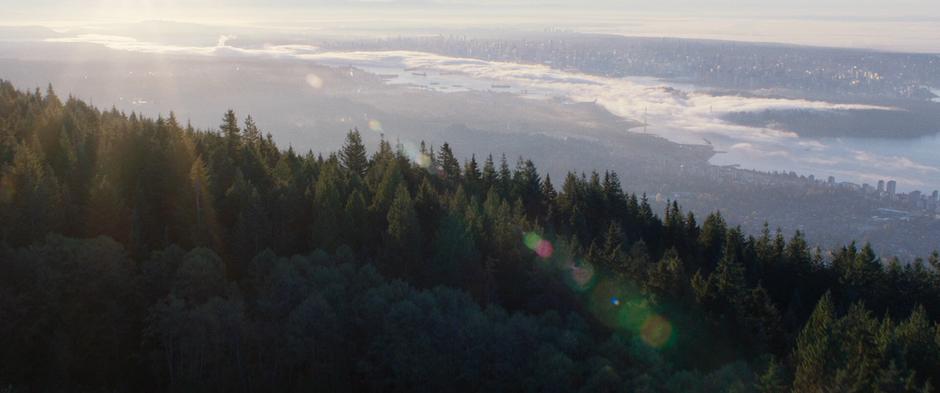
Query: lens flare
point(411, 150)
point(314, 81)
point(375, 125)
point(615, 301)
point(531, 240)
point(582, 276)
point(656, 331)
point(544, 249)
point(423, 160)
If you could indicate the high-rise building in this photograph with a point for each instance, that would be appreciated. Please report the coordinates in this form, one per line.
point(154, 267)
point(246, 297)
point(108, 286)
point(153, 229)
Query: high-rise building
point(881, 186)
point(892, 187)
point(832, 180)
point(935, 196)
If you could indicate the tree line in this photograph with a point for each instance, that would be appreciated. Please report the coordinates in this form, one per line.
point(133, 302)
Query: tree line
point(140, 254)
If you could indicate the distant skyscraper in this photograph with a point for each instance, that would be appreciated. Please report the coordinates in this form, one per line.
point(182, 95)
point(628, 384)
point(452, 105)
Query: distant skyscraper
point(935, 196)
point(832, 180)
point(881, 186)
point(892, 187)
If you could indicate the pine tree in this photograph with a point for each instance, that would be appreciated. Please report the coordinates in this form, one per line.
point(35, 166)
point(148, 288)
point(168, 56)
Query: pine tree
point(667, 279)
point(527, 186)
point(34, 206)
point(252, 134)
point(761, 321)
point(353, 155)
point(327, 209)
point(450, 167)
point(472, 176)
point(488, 176)
point(504, 179)
point(454, 253)
point(814, 349)
point(729, 275)
point(107, 213)
point(428, 206)
point(612, 252)
point(548, 202)
point(712, 237)
point(772, 380)
point(403, 234)
point(230, 131)
point(251, 235)
point(355, 220)
point(385, 190)
point(204, 229)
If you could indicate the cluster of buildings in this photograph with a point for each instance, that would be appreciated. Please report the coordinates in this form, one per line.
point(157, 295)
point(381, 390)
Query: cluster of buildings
point(887, 190)
point(715, 63)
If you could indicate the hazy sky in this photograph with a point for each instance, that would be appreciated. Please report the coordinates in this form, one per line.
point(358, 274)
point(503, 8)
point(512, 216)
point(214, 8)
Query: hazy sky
point(246, 9)
point(901, 25)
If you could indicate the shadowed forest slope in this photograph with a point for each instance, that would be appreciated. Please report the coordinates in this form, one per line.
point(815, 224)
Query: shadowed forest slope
point(140, 254)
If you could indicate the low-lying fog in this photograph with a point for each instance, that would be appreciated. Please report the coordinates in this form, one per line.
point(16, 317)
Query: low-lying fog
point(308, 97)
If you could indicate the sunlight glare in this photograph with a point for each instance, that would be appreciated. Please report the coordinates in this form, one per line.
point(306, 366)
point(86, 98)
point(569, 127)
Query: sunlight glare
point(313, 80)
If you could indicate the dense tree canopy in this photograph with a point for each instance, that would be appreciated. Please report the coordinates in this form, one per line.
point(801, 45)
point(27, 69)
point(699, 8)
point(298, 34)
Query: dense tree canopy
point(139, 254)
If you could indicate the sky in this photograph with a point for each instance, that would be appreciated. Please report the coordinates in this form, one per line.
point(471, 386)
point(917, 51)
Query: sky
point(789, 8)
point(897, 25)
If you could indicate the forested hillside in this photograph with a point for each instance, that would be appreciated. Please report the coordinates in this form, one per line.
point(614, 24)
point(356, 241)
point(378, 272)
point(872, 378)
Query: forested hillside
point(140, 254)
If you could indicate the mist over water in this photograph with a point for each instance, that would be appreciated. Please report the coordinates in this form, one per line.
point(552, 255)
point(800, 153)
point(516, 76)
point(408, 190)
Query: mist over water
point(682, 113)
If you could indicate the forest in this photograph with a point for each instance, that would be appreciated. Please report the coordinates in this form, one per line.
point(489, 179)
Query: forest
point(141, 254)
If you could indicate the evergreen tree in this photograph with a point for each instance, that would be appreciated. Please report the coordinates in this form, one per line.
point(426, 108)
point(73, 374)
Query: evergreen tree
point(355, 220)
point(230, 131)
point(504, 178)
point(231, 315)
point(328, 207)
point(385, 190)
point(107, 213)
point(472, 176)
point(455, 257)
point(772, 380)
point(712, 237)
point(527, 187)
point(251, 133)
point(34, 205)
point(353, 154)
point(450, 167)
point(548, 202)
point(667, 279)
point(204, 231)
point(489, 176)
point(403, 234)
point(814, 349)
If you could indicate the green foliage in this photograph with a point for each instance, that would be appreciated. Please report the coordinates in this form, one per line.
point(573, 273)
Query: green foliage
point(814, 348)
point(230, 265)
point(772, 380)
point(403, 235)
point(353, 154)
